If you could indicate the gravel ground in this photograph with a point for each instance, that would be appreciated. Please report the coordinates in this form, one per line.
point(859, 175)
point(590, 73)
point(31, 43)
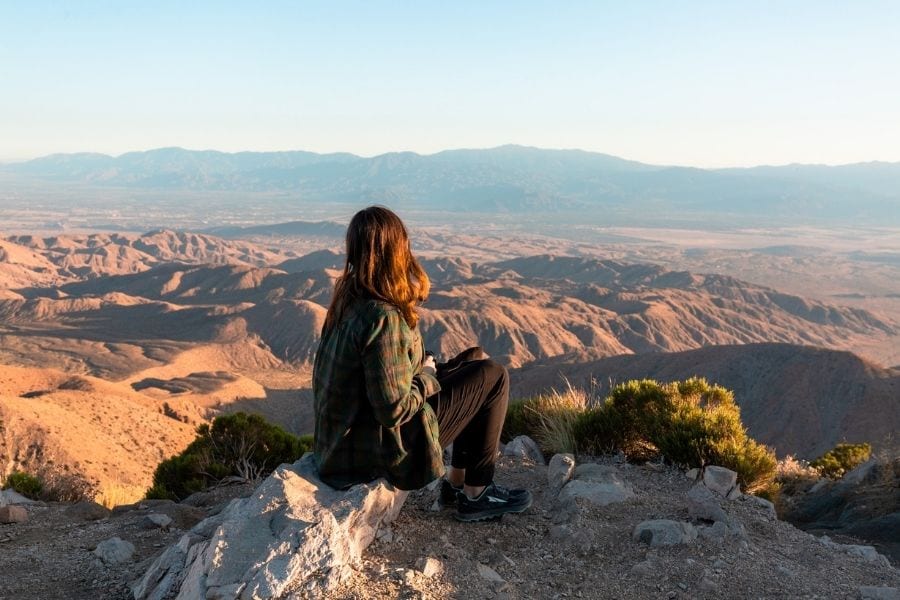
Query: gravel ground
point(598, 558)
point(522, 556)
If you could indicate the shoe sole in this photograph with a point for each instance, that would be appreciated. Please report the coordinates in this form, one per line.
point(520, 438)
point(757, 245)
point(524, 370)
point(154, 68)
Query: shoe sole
point(489, 516)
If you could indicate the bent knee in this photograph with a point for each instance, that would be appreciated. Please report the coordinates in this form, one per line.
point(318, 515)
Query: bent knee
point(494, 371)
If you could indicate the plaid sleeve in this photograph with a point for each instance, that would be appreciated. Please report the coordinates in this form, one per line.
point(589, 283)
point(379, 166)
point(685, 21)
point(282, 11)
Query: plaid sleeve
point(395, 391)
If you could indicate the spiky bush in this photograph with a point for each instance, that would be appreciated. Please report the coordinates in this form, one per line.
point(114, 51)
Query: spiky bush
point(841, 459)
point(690, 423)
point(240, 444)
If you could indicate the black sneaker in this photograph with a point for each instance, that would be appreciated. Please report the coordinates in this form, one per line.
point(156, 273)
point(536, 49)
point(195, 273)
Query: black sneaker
point(494, 502)
point(448, 493)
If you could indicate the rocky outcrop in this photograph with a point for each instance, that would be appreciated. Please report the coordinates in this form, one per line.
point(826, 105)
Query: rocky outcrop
point(295, 536)
point(864, 504)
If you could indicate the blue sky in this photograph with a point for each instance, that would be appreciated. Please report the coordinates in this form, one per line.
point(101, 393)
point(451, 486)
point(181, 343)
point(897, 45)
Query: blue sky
point(691, 83)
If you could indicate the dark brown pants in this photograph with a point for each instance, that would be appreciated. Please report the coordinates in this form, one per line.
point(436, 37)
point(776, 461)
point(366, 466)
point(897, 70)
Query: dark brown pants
point(471, 408)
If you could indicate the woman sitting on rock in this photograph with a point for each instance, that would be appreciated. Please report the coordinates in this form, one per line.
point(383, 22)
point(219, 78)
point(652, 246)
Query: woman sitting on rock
point(383, 407)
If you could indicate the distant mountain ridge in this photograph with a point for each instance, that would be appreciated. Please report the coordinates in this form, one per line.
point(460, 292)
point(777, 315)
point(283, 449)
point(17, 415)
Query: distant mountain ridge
point(502, 179)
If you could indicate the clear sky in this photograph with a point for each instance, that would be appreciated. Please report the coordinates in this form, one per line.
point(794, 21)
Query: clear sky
point(715, 83)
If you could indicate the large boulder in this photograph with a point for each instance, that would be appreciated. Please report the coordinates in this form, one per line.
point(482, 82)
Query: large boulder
point(294, 537)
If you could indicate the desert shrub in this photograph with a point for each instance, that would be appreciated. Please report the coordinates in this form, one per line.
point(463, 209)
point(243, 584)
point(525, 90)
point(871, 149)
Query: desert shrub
point(51, 484)
point(841, 459)
point(517, 421)
point(690, 423)
point(240, 444)
point(25, 484)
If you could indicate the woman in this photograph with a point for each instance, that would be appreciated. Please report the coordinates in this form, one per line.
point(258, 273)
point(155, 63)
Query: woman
point(383, 407)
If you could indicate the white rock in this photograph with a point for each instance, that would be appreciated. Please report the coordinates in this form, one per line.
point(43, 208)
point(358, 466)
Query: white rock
point(871, 592)
point(524, 447)
point(429, 567)
point(489, 574)
point(293, 533)
point(114, 551)
point(11, 496)
point(560, 470)
point(735, 493)
point(719, 479)
point(664, 532)
point(867, 553)
point(159, 520)
point(693, 474)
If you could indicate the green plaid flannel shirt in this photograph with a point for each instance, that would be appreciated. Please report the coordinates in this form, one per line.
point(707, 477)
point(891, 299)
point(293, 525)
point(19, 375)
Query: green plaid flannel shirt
point(371, 416)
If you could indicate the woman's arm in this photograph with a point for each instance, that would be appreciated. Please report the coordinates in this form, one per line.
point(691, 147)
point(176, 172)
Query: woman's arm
point(396, 391)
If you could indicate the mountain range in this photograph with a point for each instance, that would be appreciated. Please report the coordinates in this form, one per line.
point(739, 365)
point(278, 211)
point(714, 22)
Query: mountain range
point(507, 180)
point(183, 326)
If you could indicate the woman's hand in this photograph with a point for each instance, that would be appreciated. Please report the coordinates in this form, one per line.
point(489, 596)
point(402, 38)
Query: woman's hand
point(429, 365)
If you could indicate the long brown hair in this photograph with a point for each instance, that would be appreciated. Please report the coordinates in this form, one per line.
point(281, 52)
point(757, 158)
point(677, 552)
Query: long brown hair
point(380, 265)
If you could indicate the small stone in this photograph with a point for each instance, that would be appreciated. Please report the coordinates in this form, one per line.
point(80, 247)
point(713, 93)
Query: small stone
point(560, 470)
point(525, 447)
point(785, 572)
point(489, 574)
point(682, 585)
point(87, 510)
point(664, 532)
point(114, 551)
point(429, 567)
point(157, 520)
point(385, 536)
point(719, 479)
point(601, 494)
point(871, 592)
point(646, 568)
point(708, 585)
point(693, 474)
point(560, 532)
point(13, 514)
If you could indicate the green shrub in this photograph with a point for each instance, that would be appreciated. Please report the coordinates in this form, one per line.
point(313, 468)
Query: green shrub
point(690, 423)
point(239, 445)
point(25, 484)
point(841, 459)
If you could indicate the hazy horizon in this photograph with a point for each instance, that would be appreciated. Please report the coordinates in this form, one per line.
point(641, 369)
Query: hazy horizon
point(694, 84)
point(10, 161)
